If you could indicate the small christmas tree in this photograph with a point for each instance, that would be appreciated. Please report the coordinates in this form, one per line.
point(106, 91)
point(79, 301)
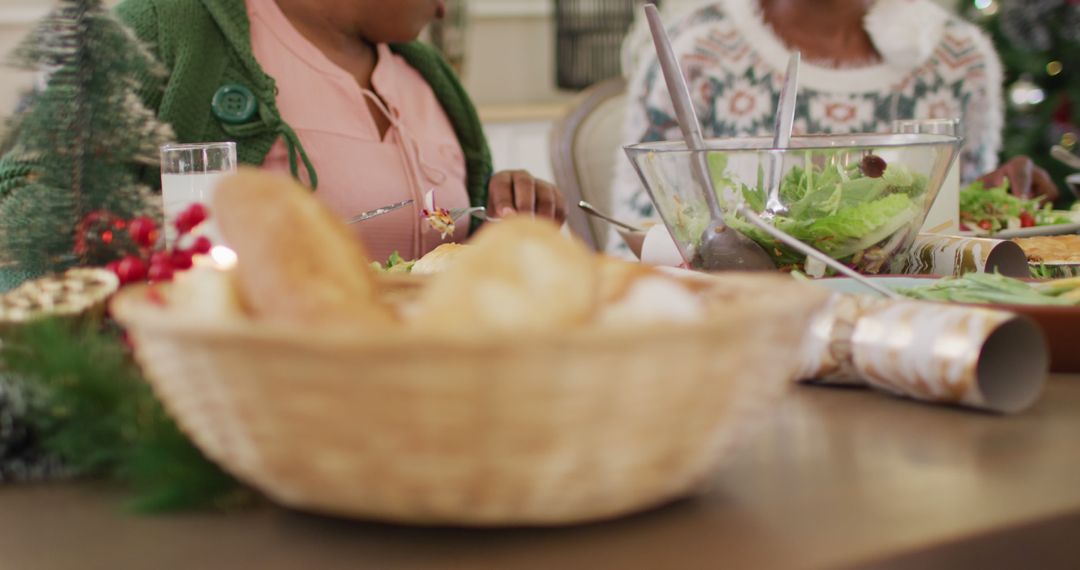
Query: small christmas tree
point(78, 145)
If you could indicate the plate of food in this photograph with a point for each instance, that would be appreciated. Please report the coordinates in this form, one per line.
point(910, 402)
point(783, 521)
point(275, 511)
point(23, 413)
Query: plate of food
point(994, 212)
point(1054, 305)
point(1051, 257)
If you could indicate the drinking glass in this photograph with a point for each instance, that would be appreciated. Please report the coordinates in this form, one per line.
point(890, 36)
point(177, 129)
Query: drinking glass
point(944, 215)
point(189, 175)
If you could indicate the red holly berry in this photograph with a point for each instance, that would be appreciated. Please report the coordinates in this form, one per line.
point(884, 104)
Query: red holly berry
point(181, 259)
point(130, 270)
point(202, 245)
point(144, 231)
point(160, 273)
point(191, 217)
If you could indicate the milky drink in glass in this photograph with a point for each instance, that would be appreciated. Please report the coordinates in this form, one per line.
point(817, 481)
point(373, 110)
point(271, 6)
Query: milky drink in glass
point(189, 175)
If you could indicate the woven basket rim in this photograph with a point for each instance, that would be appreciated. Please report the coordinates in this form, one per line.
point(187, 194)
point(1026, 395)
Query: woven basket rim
point(131, 307)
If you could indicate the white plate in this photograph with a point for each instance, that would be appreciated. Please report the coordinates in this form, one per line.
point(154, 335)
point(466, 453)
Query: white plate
point(1054, 230)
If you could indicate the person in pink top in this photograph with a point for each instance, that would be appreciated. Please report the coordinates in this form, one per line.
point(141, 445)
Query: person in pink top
point(372, 126)
point(339, 94)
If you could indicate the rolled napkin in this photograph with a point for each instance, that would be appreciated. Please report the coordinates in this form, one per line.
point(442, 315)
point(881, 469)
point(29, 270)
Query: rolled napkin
point(936, 254)
point(979, 358)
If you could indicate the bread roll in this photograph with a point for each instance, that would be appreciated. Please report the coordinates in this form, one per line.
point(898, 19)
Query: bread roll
point(296, 261)
point(207, 293)
point(438, 259)
point(518, 274)
point(633, 294)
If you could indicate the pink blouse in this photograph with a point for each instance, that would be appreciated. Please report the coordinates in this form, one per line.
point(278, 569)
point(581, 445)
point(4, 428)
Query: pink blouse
point(358, 170)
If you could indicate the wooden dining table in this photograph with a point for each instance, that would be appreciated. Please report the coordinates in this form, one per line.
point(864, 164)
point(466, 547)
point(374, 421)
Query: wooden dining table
point(836, 478)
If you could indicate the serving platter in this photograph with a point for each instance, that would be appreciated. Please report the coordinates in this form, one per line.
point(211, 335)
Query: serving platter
point(1033, 231)
point(1051, 230)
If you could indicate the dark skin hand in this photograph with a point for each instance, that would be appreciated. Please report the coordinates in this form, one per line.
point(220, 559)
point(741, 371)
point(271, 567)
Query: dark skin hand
point(1025, 179)
point(518, 192)
point(347, 31)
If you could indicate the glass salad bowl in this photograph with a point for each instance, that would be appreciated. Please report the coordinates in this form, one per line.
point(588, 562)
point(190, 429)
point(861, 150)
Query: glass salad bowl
point(860, 198)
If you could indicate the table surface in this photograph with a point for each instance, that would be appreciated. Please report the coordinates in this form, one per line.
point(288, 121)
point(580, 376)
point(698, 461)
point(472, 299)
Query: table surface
point(838, 478)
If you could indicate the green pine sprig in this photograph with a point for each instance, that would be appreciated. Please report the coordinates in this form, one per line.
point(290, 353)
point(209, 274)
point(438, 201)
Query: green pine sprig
point(93, 409)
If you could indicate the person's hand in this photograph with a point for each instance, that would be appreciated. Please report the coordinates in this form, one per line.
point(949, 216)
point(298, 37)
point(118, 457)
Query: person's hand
point(1025, 179)
point(517, 192)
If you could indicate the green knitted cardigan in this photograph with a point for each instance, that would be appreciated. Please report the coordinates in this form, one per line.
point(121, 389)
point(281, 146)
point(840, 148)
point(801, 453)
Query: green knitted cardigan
point(206, 44)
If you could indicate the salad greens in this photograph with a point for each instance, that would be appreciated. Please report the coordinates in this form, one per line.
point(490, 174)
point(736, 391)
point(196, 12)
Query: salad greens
point(835, 207)
point(990, 210)
point(394, 264)
point(994, 288)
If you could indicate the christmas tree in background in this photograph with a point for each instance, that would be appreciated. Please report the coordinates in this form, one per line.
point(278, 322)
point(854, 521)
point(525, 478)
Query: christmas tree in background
point(72, 188)
point(1039, 45)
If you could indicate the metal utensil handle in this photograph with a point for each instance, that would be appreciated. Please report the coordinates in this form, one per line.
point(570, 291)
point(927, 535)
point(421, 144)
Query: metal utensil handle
point(684, 108)
point(813, 252)
point(592, 211)
point(785, 120)
point(378, 212)
point(1065, 156)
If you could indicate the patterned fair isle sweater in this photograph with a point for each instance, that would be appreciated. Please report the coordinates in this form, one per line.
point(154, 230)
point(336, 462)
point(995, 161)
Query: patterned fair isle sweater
point(933, 66)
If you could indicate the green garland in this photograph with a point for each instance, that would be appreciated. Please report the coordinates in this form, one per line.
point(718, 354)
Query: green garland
point(91, 407)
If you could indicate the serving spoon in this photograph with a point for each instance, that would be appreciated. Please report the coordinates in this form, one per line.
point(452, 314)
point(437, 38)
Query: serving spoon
point(720, 250)
point(785, 120)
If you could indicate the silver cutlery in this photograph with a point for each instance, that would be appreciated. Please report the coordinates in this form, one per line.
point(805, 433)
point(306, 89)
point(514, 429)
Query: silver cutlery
point(719, 249)
point(592, 211)
point(728, 249)
point(785, 120)
point(475, 211)
point(1065, 156)
point(378, 212)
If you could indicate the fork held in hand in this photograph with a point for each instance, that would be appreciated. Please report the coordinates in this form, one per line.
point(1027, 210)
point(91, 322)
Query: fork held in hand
point(475, 211)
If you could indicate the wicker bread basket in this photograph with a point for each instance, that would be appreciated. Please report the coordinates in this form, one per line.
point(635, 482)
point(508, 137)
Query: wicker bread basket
point(484, 429)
